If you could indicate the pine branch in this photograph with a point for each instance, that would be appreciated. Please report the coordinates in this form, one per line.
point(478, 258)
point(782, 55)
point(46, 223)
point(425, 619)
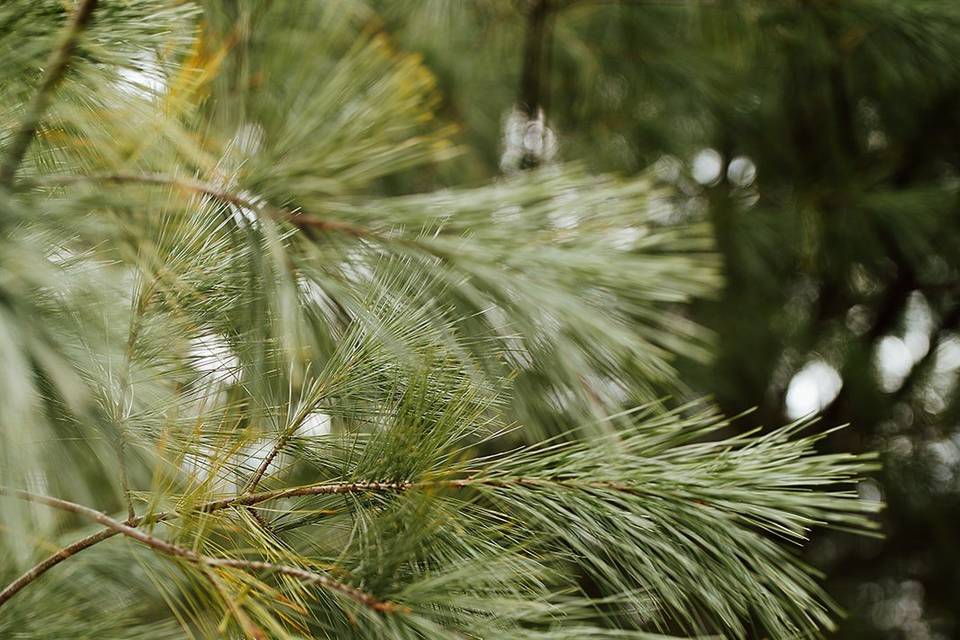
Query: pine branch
point(177, 551)
point(209, 507)
point(437, 317)
point(56, 68)
point(478, 480)
point(718, 505)
point(248, 500)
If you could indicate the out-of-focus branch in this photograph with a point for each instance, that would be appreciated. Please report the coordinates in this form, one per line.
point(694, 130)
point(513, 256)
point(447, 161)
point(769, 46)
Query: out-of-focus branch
point(534, 87)
point(297, 219)
point(534, 49)
point(890, 309)
point(56, 67)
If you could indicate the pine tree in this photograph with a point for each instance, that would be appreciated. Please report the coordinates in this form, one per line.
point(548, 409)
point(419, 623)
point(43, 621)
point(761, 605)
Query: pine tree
point(274, 397)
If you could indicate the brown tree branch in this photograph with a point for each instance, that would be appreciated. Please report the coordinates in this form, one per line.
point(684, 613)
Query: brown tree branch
point(56, 68)
point(70, 550)
point(176, 551)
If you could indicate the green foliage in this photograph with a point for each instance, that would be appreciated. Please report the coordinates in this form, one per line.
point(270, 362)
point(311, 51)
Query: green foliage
point(330, 410)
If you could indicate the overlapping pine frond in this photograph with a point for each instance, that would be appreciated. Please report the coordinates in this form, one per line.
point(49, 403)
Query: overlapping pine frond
point(306, 397)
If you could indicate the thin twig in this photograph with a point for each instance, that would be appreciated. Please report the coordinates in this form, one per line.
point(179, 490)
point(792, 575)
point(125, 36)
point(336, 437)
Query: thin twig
point(268, 460)
point(316, 490)
point(126, 390)
point(176, 551)
point(298, 219)
point(56, 67)
point(288, 432)
point(261, 471)
point(124, 476)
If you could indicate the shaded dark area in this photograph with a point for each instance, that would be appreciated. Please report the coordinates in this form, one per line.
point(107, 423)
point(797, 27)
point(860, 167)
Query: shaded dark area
point(821, 140)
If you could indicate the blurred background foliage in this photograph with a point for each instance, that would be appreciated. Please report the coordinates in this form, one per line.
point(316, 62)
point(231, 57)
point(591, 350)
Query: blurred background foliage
point(821, 140)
